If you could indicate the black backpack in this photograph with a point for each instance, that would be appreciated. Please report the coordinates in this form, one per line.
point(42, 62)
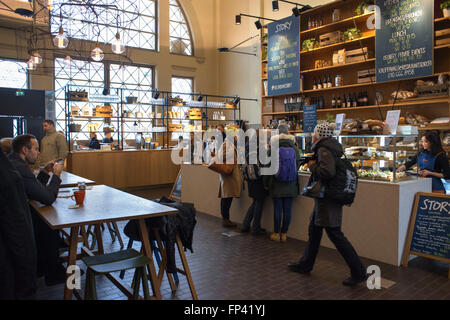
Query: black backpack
point(342, 188)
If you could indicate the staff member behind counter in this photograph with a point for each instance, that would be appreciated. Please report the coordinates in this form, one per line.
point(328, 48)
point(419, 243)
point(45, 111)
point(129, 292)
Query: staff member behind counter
point(432, 161)
point(93, 143)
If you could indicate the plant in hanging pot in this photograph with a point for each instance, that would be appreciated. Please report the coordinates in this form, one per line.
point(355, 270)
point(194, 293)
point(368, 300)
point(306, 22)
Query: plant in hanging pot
point(445, 6)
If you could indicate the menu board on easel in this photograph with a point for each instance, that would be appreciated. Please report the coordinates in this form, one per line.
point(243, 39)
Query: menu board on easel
point(176, 189)
point(284, 56)
point(429, 228)
point(404, 41)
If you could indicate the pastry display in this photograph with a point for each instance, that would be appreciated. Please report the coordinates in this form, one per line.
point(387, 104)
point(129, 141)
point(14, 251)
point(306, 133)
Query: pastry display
point(415, 119)
point(380, 175)
point(360, 152)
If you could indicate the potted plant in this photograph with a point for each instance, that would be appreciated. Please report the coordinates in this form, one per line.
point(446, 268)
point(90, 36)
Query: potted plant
point(445, 6)
point(351, 34)
point(309, 44)
point(363, 7)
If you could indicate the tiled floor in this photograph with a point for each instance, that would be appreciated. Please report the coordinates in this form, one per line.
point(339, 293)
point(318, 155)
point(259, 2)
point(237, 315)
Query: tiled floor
point(253, 267)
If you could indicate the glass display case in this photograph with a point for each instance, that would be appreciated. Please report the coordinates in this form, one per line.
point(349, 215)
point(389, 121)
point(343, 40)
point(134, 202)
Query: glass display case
point(378, 157)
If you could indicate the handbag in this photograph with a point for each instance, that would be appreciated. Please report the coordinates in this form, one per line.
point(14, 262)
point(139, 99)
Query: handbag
point(222, 168)
point(314, 189)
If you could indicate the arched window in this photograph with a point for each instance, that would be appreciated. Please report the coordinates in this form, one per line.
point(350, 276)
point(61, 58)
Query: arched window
point(135, 20)
point(180, 34)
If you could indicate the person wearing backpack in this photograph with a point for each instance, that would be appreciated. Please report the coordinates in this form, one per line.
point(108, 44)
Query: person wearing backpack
point(339, 182)
point(283, 186)
point(256, 191)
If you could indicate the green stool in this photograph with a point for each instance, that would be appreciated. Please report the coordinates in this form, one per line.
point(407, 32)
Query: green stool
point(116, 261)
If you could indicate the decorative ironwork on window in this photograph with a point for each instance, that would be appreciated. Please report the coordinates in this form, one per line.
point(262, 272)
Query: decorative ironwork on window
point(180, 34)
point(13, 74)
point(95, 20)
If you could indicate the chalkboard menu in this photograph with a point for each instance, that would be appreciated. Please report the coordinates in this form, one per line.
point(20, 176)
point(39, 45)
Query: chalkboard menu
point(404, 43)
point(309, 118)
point(283, 56)
point(176, 189)
point(429, 230)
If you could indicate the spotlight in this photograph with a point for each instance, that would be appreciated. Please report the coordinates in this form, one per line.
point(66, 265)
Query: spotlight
point(275, 5)
point(236, 100)
point(237, 19)
point(295, 11)
point(200, 98)
point(156, 95)
point(258, 24)
point(305, 8)
point(24, 12)
point(222, 49)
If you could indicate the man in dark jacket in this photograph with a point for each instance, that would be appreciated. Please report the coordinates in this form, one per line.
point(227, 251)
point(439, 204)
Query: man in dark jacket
point(327, 214)
point(25, 152)
point(17, 246)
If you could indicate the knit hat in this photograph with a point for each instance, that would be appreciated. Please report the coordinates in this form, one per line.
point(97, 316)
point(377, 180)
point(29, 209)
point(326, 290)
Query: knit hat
point(324, 130)
point(283, 129)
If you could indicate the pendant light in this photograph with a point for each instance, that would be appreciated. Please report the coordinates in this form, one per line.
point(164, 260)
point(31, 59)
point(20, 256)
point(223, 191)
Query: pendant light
point(30, 65)
point(97, 54)
point(36, 58)
point(117, 45)
point(68, 61)
point(48, 4)
point(60, 40)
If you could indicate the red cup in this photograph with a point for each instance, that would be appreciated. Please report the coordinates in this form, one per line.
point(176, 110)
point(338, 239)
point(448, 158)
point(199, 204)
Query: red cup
point(79, 196)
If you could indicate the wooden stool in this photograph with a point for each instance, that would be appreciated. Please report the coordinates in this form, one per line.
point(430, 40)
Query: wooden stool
point(116, 261)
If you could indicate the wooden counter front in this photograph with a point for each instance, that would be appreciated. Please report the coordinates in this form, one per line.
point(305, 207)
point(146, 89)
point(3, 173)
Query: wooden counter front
point(120, 169)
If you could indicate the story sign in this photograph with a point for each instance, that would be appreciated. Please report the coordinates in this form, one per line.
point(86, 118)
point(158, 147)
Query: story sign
point(284, 56)
point(404, 41)
point(429, 230)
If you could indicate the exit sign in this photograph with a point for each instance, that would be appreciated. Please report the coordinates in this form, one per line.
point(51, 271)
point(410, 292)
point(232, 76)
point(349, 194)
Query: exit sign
point(20, 93)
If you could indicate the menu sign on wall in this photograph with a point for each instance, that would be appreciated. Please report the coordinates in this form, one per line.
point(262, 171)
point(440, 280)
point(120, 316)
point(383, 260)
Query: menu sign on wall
point(283, 66)
point(404, 43)
point(309, 118)
point(429, 231)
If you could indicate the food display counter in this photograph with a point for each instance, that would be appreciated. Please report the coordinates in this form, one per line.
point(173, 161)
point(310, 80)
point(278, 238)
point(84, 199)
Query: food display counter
point(376, 223)
point(124, 168)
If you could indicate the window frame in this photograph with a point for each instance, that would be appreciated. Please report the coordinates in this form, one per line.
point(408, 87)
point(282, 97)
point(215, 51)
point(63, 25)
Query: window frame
point(189, 30)
point(28, 72)
point(156, 17)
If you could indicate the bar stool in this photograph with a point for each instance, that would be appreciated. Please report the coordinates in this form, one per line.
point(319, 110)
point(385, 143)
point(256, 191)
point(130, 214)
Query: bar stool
point(116, 261)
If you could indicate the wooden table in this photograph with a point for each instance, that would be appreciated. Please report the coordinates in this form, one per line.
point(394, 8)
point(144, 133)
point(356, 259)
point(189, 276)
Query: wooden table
point(71, 180)
point(105, 204)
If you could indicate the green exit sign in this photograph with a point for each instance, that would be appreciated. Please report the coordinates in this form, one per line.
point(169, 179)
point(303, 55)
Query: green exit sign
point(20, 93)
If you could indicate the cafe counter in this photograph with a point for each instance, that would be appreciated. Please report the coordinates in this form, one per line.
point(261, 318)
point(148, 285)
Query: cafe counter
point(376, 224)
point(127, 168)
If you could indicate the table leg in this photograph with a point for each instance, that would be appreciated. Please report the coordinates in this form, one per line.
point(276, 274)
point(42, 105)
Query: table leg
point(73, 246)
point(99, 239)
point(143, 233)
point(186, 268)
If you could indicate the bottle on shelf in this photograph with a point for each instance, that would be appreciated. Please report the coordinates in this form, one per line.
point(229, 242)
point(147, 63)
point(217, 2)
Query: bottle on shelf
point(319, 84)
point(344, 102)
point(309, 23)
point(291, 100)
point(314, 84)
point(349, 101)
point(329, 83)
point(359, 101)
point(333, 102)
point(298, 99)
point(325, 82)
point(366, 98)
point(285, 101)
point(354, 101)
point(338, 102)
point(301, 82)
point(75, 144)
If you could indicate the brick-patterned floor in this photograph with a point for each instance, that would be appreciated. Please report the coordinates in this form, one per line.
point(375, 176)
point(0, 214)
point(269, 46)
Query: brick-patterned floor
point(253, 267)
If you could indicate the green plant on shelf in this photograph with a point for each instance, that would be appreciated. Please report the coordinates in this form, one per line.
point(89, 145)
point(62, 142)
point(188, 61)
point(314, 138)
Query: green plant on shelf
point(310, 44)
point(445, 5)
point(264, 53)
point(362, 7)
point(351, 34)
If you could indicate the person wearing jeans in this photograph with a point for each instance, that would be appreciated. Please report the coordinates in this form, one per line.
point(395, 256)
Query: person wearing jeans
point(282, 192)
point(327, 213)
point(281, 221)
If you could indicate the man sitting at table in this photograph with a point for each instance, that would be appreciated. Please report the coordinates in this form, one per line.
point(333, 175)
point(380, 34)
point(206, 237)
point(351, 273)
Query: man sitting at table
point(25, 152)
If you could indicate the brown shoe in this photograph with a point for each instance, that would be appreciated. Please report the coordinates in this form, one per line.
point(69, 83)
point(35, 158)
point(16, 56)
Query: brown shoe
point(228, 224)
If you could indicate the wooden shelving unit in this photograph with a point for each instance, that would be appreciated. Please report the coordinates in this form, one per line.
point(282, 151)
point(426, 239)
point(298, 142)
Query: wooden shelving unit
point(432, 107)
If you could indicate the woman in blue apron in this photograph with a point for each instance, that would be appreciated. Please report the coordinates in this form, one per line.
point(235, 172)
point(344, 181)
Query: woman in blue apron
point(432, 161)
